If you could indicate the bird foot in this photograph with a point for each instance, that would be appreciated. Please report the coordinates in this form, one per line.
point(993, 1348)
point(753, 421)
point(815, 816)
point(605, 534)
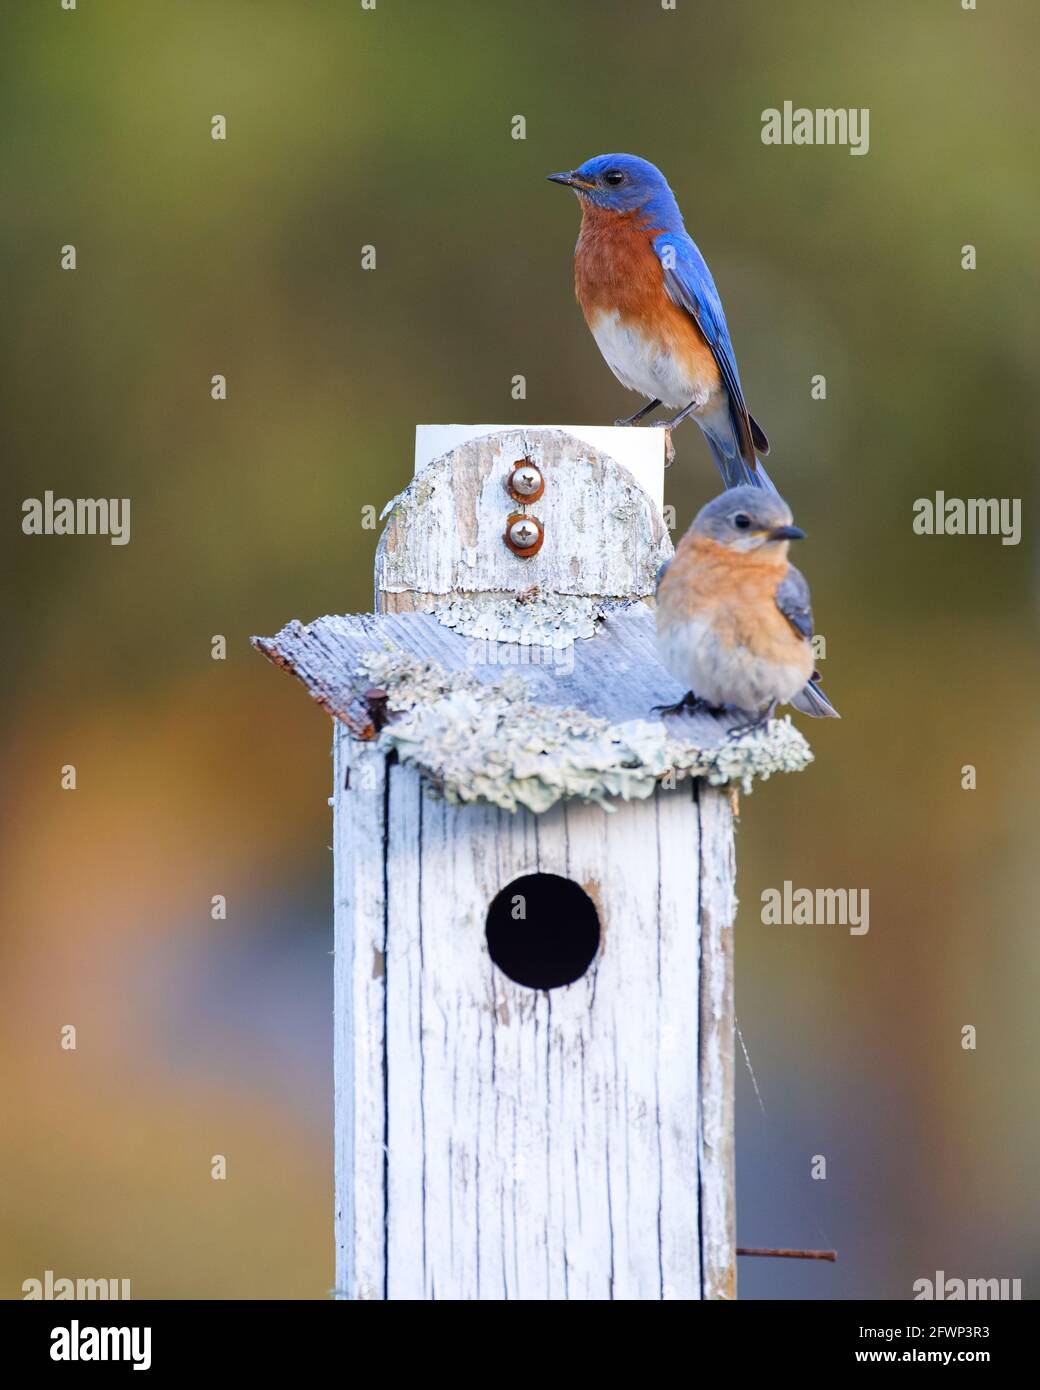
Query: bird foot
point(634, 419)
point(674, 421)
point(669, 447)
point(752, 725)
point(689, 704)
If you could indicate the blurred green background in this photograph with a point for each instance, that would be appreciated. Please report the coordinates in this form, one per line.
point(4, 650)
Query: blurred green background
point(198, 777)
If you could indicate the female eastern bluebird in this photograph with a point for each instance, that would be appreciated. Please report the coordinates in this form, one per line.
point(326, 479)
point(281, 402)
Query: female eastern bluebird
point(654, 311)
point(734, 623)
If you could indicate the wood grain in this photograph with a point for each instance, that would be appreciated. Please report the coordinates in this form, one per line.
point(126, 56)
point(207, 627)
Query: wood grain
point(544, 1145)
point(604, 537)
point(615, 675)
point(494, 1141)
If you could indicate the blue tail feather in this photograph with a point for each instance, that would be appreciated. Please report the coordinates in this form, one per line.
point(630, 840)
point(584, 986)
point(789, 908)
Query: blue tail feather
point(735, 470)
point(813, 701)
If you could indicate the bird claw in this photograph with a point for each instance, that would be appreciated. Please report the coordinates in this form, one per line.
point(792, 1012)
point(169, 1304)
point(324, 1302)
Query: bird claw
point(689, 704)
point(752, 726)
point(637, 416)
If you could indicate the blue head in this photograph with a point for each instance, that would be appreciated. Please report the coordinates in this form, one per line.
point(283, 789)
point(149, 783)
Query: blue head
point(624, 183)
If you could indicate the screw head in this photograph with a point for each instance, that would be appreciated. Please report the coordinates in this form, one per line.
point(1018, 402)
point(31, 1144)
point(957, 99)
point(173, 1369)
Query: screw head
point(523, 533)
point(525, 482)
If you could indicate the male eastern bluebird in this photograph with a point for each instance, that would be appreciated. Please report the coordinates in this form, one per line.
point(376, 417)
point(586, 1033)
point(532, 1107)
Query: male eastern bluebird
point(734, 623)
point(654, 311)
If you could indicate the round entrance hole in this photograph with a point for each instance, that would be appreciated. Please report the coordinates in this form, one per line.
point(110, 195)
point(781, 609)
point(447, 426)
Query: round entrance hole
point(543, 931)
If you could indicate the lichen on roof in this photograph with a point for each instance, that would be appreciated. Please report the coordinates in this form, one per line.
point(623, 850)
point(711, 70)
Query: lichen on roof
point(530, 619)
point(490, 741)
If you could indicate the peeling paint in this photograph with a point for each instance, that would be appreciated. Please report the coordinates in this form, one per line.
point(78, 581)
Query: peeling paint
point(603, 533)
point(466, 507)
point(592, 888)
point(544, 620)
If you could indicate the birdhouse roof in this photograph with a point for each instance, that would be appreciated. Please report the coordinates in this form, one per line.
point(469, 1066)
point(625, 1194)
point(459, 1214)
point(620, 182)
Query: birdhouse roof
point(521, 700)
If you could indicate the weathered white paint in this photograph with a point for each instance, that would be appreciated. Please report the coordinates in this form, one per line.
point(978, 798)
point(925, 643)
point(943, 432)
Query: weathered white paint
point(359, 857)
point(469, 718)
point(718, 909)
point(493, 1141)
point(540, 1145)
point(604, 536)
point(640, 450)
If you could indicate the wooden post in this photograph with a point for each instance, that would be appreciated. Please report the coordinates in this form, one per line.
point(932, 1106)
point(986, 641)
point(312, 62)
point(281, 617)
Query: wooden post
point(495, 1137)
point(523, 1144)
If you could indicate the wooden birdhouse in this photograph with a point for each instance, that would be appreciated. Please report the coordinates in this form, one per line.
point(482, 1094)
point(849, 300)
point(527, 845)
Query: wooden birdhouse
point(534, 891)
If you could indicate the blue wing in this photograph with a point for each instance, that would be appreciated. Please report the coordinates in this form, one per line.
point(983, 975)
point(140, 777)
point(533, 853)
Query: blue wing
point(792, 598)
point(688, 282)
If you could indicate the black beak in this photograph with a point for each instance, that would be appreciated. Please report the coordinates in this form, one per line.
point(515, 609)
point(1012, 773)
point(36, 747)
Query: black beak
point(787, 533)
point(570, 180)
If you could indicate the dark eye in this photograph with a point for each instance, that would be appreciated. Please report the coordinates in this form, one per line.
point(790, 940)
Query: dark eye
point(614, 177)
point(741, 521)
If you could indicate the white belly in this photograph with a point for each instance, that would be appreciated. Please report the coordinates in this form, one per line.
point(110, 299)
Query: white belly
point(721, 674)
point(639, 364)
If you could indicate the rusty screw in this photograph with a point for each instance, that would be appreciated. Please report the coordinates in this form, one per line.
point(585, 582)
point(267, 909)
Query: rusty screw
point(376, 699)
point(524, 534)
point(525, 482)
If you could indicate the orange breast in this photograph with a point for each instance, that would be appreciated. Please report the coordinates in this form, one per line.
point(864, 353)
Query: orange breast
point(736, 591)
point(616, 270)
